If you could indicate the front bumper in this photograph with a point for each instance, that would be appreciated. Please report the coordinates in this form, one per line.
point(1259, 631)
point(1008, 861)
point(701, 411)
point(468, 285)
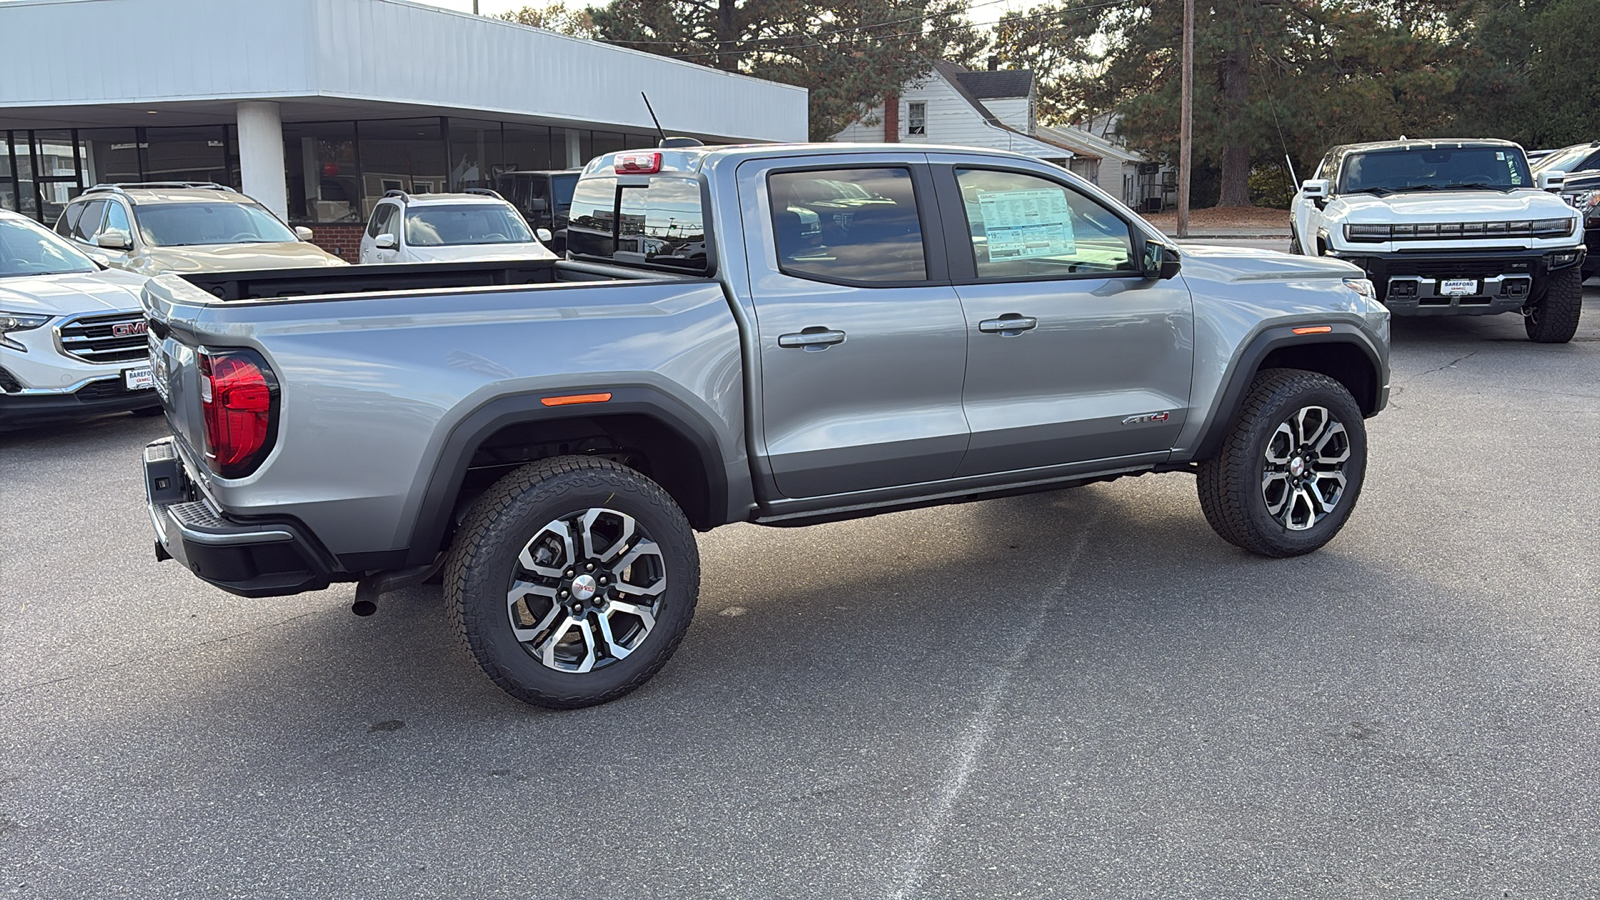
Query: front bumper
point(25, 406)
point(250, 559)
point(1412, 283)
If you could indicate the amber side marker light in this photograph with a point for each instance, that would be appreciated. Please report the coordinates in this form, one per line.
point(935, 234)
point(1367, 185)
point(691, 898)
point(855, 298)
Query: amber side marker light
point(1313, 329)
point(572, 399)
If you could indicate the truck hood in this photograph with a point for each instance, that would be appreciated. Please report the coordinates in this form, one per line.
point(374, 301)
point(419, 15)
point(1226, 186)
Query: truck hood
point(1230, 263)
point(240, 257)
point(65, 295)
point(1447, 206)
point(482, 253)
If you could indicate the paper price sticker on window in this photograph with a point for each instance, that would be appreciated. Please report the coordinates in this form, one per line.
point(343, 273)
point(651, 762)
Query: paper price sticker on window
point(1025, 224)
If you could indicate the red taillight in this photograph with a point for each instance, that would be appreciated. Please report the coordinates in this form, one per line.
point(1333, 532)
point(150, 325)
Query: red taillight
point(638, 163)
point(237, 398)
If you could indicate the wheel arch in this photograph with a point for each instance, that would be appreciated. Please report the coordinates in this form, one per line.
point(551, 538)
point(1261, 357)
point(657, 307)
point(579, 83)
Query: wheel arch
point(1344, 354)
point(649, 430)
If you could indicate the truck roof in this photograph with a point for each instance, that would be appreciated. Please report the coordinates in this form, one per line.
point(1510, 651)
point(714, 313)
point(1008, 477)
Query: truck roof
point(694, 159)
point(1427, 144)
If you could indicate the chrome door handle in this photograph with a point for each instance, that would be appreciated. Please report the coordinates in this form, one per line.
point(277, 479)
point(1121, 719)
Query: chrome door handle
point(1008, 325)
point(813, 338)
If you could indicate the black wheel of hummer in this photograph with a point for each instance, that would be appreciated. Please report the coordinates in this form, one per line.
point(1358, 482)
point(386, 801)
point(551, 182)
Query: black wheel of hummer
point(1291, 468)
point(1553, 319)
point(572, 581)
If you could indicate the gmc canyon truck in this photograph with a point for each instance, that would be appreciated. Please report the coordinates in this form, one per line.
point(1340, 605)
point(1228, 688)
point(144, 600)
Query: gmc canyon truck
point(1449, 228)
point(778, 334)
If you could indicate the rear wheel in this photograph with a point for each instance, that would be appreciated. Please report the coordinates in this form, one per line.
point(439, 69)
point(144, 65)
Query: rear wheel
point(1554, 318)
point(572, 581)
point(1291, 469)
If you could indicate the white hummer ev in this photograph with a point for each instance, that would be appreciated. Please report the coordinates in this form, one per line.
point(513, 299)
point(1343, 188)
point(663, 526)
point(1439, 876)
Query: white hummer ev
point(1450, 227)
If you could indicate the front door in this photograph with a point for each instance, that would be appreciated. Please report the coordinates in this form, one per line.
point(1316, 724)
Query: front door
point(862, 339)
point(1073, 356)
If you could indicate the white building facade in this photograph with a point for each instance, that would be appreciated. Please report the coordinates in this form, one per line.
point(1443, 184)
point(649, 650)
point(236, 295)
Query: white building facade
point(316, 107)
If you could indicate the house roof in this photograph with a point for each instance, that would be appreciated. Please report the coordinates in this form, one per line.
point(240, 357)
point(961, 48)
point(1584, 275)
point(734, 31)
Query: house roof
point(997, 85)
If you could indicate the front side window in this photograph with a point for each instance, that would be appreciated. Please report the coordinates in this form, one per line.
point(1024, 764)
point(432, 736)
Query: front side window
point(1025, 226)
point(848, 225)
point(117, 218)
point(469, 223)
point(29, 249)
point(380, 219)
point(189, 224)
point(1425, 168)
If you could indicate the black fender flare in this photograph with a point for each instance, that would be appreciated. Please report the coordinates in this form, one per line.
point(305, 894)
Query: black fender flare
point(450, 469)
point(1249, 360)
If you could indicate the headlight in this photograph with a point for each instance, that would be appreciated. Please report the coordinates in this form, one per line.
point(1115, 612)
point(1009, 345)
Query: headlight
point(1587, 203)
point(1553, 227)
point(1366, 232)
point(10, 322)
point(1363, 287)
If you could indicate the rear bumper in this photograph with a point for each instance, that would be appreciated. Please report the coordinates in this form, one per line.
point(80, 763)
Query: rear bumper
point(250, 559)
point(1415, 284)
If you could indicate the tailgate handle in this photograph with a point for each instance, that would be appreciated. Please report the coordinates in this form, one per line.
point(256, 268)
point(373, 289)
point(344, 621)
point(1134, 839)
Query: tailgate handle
point(158, 328)
point(813, 338)
point(1008, 325)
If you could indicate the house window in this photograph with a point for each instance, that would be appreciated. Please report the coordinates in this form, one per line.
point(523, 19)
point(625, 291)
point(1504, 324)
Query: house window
point(917, 118)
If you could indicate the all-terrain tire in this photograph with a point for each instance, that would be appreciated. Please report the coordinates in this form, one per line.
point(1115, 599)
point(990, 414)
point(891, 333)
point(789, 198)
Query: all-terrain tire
point(1554, 319)
point(549, 581)
point(1291, 468)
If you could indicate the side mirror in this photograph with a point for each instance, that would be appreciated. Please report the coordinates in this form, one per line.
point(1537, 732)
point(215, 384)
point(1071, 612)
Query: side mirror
point(1314, 188)
point(1158, 261)
point(544, 235)
point(114, 239)
point(384, 242)
point(302, 232)
point(1552, 180)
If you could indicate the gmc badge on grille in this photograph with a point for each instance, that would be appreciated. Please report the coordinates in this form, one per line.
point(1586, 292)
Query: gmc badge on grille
point(129, 329)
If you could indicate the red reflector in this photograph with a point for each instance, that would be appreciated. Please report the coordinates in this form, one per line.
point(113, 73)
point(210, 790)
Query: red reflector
point(237, 403)
point(638, 163)
point(1313, 329)
point(571, 399)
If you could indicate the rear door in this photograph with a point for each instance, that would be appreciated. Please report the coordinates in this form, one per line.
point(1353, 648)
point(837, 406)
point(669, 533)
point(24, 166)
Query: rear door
point(862, 343)
point(1073, 356)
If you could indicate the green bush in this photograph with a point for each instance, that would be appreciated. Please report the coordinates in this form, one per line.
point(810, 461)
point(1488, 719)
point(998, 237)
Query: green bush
point(1271, 186)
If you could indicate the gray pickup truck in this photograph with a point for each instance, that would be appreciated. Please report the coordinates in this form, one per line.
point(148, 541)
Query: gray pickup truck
point(771, 334)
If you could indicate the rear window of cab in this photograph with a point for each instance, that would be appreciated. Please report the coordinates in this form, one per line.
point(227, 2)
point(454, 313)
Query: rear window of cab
point(660, 223)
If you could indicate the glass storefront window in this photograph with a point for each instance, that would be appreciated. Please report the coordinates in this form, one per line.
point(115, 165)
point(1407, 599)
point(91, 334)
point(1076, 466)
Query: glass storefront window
point(475, 153)
point(324, 179)
point(8, 188)
point(111, 155)
point(606, 142)
point(185, 154)
point(401, 154)
point(527, 149)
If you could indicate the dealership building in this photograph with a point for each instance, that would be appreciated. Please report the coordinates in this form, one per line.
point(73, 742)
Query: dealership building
point(317, 107)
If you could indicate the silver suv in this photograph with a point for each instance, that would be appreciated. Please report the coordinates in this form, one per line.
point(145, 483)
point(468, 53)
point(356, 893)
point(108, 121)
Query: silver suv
point(159, 227)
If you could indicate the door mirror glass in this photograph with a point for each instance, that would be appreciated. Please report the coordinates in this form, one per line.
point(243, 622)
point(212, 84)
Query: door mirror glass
point(1158, 261)
point(112, 239)
point(384, 242)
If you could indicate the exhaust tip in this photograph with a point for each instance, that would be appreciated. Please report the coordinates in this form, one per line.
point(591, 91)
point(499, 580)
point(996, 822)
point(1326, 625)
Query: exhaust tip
point(363, 608)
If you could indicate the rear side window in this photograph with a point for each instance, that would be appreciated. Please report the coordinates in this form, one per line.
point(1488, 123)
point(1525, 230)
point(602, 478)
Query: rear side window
point(661, 223)
point(848, 225)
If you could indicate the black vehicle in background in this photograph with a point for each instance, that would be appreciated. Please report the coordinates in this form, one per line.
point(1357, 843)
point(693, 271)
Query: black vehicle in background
point(1582, 190)
point(543, 198)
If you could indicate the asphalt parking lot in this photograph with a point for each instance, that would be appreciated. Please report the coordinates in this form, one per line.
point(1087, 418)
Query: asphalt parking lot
point(1083, 694)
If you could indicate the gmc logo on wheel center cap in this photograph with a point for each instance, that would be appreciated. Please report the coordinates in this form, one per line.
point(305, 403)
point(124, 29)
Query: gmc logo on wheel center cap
point(129, 329)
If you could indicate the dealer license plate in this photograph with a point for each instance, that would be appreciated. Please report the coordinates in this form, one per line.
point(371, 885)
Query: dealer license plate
point(1458, 287)
point(140, 379)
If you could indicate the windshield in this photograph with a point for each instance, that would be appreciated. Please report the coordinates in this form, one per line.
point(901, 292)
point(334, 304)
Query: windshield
point(1562, 160)
point(28, 249)
point(187, 224)
point(474, 223)
point(1425, 169)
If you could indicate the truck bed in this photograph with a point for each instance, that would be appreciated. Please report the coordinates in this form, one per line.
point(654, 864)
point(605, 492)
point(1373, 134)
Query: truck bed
point(328, 281)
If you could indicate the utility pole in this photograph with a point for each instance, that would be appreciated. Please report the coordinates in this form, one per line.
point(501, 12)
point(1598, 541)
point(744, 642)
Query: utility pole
point(1186, 119)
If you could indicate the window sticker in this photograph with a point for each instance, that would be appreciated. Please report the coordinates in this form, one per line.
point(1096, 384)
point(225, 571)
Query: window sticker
point(1026, 224)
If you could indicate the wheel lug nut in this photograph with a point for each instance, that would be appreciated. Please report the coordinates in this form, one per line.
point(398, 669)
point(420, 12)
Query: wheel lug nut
point(563, 593)
point(589, 567)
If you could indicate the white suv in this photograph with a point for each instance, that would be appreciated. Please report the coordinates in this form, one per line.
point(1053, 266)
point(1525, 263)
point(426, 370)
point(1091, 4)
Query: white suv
point(72, 333)
point(474, 226)
point(1450, 227)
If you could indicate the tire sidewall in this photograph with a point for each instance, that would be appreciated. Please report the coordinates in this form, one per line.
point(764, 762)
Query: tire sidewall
point(484, 606)
point(1280, 407)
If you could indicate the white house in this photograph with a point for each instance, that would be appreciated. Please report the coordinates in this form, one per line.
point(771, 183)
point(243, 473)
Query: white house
point(998, 110)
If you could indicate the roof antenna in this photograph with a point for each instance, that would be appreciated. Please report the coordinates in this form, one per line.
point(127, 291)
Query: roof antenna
point(651, 110)
point(666, 142)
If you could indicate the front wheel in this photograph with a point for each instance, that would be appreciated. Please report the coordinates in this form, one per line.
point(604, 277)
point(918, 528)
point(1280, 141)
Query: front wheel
point(572, 581)
point(1554, 318)
point(1291, 469)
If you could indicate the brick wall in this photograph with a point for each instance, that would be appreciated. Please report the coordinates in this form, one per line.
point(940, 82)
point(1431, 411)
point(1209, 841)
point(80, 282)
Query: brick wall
point(343, 241)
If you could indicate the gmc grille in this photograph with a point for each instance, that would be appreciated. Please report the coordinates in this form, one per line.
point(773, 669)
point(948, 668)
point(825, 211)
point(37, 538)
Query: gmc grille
point(95, 338)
